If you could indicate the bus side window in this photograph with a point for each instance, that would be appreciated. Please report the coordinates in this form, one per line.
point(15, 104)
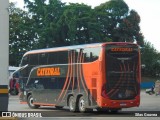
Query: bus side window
point(91, 54)
point(77, 52)
point(34, 59)
point(38, 84)
point(95, 53)
point(43, 57)
point(62, 57)
point(52, 58)
point(60, 82)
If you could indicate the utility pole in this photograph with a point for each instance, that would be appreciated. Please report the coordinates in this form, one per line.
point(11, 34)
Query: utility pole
point(4, 54)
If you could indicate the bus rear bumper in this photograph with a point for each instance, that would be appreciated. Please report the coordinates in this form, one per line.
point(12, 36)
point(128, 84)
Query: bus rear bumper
point(116, 104)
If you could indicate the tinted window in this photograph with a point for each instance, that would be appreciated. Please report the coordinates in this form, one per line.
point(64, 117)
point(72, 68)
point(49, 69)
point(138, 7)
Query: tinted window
point(52, 58)
point(60, 57)
point(47, 83)
point(43, 58)
point(34, 59)
point(25, 72)
point(55, 83)
point(31, 83)
point(63, 57)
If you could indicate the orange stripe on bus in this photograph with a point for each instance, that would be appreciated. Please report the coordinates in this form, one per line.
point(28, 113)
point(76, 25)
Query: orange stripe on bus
point(23, 102)
point(71, 68)
point(70, 76)
point(73, 61)
point(66, 81)
point(81, 70)
point(78, 73)
point(43, 104)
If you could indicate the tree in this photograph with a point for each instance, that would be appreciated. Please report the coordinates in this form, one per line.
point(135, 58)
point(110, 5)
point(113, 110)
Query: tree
point(57, 24)
point(51, 23)
point(46, 15)
point(21, 37)
point(151, 60)
point(77, 22)
point(118, 24)
point(130, 28)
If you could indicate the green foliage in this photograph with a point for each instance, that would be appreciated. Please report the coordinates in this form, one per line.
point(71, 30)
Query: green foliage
point(110, 15)
point(118, 23)
point(51, 23)
point(46, 16)
point(22, 36)
point(77, 22)
point(151, 60)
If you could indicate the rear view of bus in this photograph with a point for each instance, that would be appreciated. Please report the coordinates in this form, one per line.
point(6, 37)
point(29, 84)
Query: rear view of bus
point(121, 84)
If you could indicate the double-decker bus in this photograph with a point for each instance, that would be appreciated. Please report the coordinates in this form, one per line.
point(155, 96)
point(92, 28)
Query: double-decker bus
point(83, 77)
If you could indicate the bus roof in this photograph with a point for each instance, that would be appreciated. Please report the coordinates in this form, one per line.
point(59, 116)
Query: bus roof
point(73, 47)
point(64, 48)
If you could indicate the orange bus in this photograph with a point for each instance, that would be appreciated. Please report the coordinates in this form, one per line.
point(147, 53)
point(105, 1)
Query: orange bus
point(83, 77)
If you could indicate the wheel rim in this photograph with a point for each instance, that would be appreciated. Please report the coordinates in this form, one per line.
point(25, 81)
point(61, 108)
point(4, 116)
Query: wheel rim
point(82, 105)
point(31, 101)
point(71, 104)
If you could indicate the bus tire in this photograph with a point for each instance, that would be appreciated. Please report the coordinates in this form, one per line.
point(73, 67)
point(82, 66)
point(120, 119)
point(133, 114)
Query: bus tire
point(82, 105)
point(30, 102)
point(72, 104)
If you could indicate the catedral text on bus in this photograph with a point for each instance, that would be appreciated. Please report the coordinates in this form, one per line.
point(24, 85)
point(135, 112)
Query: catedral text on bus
point(83, 77)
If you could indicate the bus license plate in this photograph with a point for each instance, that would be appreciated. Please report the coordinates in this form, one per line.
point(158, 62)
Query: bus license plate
point(123, 104)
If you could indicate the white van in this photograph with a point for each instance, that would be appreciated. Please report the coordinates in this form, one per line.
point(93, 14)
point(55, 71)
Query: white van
point(11, 69)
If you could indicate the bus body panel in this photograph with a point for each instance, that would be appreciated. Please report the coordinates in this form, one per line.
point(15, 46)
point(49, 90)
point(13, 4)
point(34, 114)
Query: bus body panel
point(84, 74)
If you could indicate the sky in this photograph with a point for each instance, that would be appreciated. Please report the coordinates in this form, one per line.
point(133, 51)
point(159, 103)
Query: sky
point(149, 11)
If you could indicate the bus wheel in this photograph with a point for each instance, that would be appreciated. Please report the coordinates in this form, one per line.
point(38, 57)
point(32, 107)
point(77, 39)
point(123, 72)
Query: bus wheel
point(82, 105)
point(72, 104)
point(30, 103)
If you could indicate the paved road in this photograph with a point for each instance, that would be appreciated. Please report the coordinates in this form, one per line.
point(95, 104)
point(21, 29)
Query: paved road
point(150, 104)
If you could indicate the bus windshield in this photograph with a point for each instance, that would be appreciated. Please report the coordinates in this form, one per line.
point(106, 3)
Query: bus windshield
point(122, 71)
